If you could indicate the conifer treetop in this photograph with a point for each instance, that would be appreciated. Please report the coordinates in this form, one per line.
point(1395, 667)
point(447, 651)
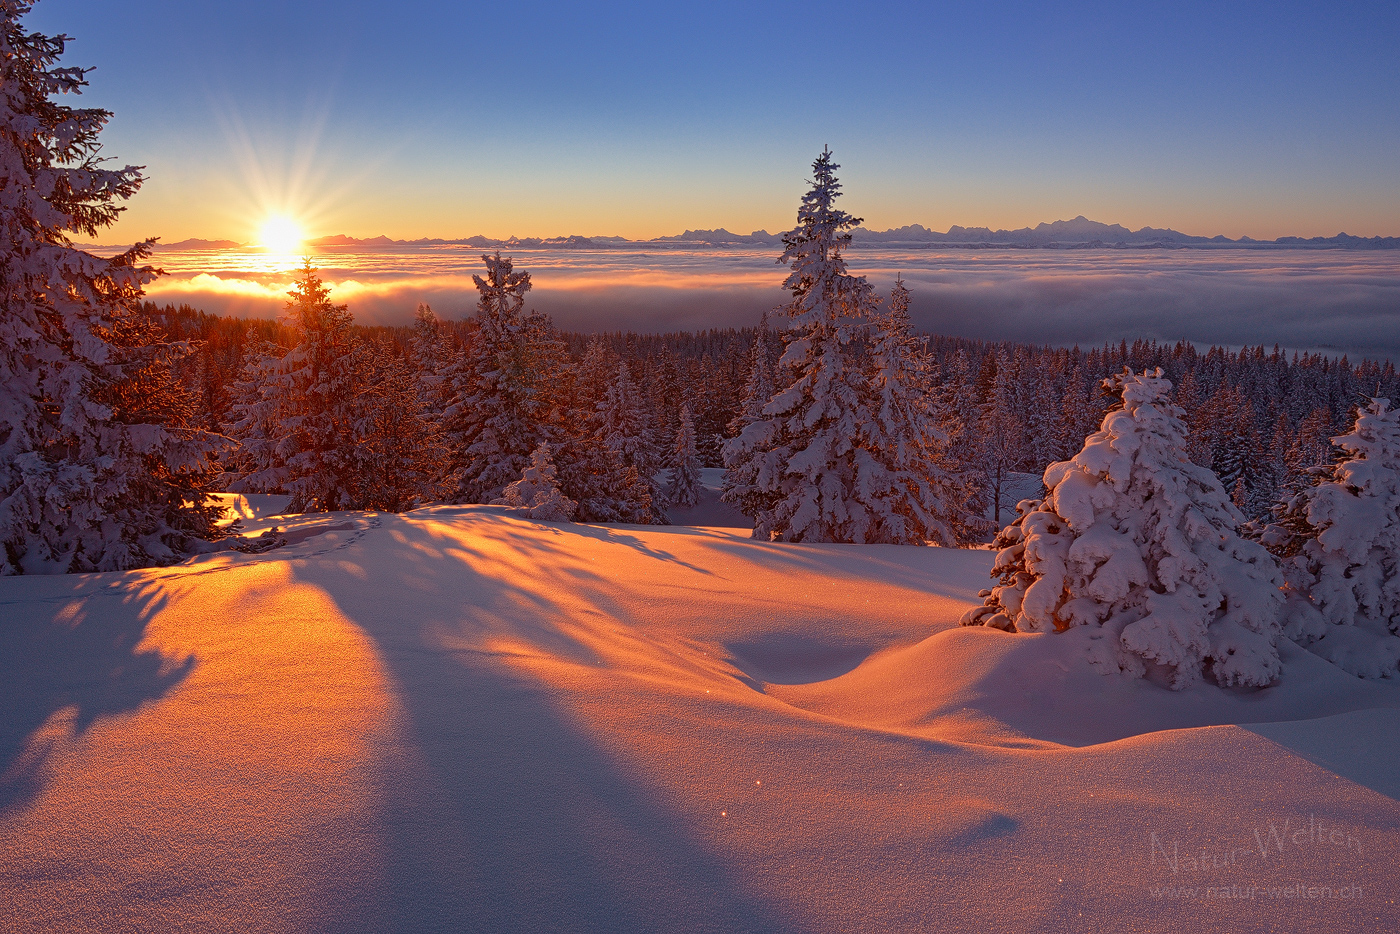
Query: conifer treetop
point(502, 292)
point(820, 285)
point(309, 304)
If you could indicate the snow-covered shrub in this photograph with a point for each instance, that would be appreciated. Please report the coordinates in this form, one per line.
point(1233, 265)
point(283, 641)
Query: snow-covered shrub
point(100, 467)
point(536, 494)
point(1339, 542)
point(1138, 541)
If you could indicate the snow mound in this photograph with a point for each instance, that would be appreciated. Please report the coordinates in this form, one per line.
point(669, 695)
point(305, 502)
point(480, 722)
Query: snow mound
point(794, 658)
point(1041, 687)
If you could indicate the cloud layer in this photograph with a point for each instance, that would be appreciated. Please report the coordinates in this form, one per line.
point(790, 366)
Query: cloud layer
point(1331, 300)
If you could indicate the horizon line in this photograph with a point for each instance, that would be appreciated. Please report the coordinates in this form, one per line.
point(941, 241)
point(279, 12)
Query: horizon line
point(1084, 228)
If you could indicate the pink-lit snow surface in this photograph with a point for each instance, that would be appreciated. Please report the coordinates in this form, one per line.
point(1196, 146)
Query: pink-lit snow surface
point(458, 720)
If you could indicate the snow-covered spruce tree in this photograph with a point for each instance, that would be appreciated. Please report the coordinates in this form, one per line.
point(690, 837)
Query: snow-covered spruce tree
point(1135, 539)
point(662, 384)
point(741, 470)
point(536, 494)
point(629, 472)
point(1311, 448)
point(504, 408)
point(839, 454)
point(255, 418)
point(683, 490)
point(1079, 413)
point(307, 400)
point(903, 478)
point(1001, 427)
point(715, 403)
point(758, 388)
point(150, 396)
point(430, 355)
point(623, 424)
point(958, 415)
point(605, 489)
point(590, 472)
point(1339, 542)
point(802, 451)
point(1199, 430)
point(589, 384)
point(399, 457)
point(90, 479)
point(1041, 398)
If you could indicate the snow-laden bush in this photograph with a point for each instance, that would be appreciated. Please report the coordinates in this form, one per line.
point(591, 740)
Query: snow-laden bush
point(536, 494)
point(1138, 541)
point(1339, 542)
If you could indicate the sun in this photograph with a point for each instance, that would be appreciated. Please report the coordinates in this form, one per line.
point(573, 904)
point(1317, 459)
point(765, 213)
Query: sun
point(280, 234)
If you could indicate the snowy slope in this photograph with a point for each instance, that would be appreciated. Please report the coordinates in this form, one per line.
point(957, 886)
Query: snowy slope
point(459, 720)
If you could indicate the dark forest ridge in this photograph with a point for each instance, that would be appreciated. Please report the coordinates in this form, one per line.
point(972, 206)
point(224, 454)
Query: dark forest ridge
point(1080, 233)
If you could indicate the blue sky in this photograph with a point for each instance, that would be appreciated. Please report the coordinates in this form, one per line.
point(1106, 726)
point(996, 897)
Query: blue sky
point(450, 119)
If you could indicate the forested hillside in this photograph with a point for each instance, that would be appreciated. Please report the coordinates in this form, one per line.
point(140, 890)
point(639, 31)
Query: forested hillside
point(1258, 417)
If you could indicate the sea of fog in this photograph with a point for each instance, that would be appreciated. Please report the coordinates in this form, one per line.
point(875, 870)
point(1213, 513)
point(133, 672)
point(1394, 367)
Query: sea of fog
point(1336, 301)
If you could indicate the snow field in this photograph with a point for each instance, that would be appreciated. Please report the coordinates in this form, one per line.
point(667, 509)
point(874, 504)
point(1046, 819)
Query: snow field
point(457, 719)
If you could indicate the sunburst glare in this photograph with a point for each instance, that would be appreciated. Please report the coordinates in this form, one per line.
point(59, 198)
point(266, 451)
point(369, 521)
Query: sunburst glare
point(280, 234)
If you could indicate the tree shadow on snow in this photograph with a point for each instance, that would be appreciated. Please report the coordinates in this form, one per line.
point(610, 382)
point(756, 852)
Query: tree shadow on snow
point(75, 657)
point(617, 535)
point(506, 815)
point(926, 569)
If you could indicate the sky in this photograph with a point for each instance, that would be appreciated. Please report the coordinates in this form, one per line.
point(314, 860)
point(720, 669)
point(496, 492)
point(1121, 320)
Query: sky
point(449, 119)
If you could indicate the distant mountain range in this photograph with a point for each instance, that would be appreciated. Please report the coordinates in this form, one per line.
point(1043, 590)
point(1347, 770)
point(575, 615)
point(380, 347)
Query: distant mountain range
point(1084, 233)
point(1079, 233)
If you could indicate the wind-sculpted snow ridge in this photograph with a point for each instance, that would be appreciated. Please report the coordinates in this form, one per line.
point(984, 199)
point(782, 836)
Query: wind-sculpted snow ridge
point(459, 718)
